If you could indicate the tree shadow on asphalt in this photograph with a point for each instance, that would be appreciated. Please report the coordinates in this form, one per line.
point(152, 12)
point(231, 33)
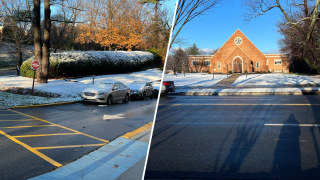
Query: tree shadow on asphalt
point(246, 136)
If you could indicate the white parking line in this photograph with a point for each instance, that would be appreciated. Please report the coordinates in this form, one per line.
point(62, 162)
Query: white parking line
point(306, 125)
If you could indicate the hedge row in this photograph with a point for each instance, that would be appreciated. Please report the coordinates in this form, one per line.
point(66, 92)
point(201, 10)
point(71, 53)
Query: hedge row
point(77, 63)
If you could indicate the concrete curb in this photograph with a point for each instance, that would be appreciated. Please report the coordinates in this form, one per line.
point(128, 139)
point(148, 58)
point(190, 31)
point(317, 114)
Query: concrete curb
point(106, 161)
point(244, 93)
point(45, 105)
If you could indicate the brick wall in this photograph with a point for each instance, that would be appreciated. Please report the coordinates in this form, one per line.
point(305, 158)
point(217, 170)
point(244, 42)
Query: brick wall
point(247, 52)
point(273, 62)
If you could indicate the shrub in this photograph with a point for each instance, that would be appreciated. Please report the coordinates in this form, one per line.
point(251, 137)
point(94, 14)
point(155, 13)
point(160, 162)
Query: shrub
point(77, 63)
point(230, 72)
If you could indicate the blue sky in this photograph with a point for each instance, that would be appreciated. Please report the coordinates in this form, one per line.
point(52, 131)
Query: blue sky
point(213, 30)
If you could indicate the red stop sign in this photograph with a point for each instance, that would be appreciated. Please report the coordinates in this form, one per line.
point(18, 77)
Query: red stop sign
point(35, 65)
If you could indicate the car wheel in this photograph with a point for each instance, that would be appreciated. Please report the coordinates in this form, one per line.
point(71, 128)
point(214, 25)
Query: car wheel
point(126, 99)
point(109, 100)
point(143, 97)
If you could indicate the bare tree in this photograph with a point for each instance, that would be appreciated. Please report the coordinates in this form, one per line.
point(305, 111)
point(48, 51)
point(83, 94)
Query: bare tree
point(289, 9)
point(177, 60)
point(16, 33)
point(43, 56)
point(213, 52)
point(189, 9)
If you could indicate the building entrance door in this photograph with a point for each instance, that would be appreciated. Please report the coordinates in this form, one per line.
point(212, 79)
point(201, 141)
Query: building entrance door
point(237, 65)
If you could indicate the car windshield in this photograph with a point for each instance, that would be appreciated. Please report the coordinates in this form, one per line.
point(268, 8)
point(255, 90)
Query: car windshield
point(137, 85)
point(102, 85)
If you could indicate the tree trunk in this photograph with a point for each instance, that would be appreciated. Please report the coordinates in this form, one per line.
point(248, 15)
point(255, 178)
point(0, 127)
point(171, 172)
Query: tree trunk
point(20, 58)
point(46, 43)
point(37, 34)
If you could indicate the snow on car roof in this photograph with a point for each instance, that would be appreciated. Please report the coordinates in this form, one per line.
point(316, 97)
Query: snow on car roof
point(109, 81)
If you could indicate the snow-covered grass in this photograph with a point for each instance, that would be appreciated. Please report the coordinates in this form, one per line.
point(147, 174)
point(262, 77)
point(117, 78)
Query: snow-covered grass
point(9, 99)
point(275, 80)
point(69, 90)
point(194, 79)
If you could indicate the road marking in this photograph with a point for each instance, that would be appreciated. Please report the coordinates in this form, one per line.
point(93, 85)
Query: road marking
point(291, 140)
point(26, 126)
point(137, 131)
point(37, 135)
point(61, 126)
point(7, 114)
point(32, 150)
point(245, 105)
point(303, 125)
point(20, 120)
point(70, 146)
point(241, 123)
point(116, 116)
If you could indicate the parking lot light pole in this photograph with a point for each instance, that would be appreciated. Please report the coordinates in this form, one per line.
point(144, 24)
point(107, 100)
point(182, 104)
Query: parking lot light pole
point(246, 70)
point(227, 71)
point(184, 72)
point(213, 71)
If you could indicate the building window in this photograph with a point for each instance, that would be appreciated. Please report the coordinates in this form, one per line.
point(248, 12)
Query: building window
point(195, 62)
point(219, 65)
point(206, 63)
point(277, 61)
point(258, 64)
point(267, 61)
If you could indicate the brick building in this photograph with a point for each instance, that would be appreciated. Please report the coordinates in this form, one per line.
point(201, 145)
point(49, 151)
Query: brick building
point(239, 54)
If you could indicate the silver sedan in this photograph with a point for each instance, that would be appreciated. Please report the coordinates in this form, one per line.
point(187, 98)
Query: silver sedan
point(106, 92)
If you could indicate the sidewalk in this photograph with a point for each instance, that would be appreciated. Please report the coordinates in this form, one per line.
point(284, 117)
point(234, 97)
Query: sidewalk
point(225, 87)
point(121, 159)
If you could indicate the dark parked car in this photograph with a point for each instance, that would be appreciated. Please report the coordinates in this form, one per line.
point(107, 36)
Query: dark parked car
point(167, 87)
point(141, 89)
point(156, 87)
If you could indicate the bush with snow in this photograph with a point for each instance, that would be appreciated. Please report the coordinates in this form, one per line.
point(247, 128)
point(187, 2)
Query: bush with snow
point(79, 63)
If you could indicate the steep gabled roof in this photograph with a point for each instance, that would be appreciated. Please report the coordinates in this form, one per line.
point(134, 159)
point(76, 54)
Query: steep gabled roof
point(227, 50)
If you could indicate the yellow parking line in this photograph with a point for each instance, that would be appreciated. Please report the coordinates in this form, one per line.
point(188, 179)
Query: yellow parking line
point(32, 150)
point(7, 114)
point(38, 135)
point(20, 120)
point(245, 104)
point(137, 131)
point(61, 126)
point(26, 126)
point(71, 146)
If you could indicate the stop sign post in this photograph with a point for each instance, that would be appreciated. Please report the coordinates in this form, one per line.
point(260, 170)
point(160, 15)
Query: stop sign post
point(35, 65)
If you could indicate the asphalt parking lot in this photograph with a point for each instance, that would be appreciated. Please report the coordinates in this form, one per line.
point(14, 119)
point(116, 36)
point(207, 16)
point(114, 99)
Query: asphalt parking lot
point(38, 140)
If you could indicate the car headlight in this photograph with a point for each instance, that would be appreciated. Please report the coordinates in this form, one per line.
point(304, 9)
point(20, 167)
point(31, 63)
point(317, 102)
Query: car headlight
point(103, 93)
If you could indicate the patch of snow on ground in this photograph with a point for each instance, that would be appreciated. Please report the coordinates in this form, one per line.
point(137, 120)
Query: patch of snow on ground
point(194, 79)
point(69, 90)
point(9, 99)
point(275, 80)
